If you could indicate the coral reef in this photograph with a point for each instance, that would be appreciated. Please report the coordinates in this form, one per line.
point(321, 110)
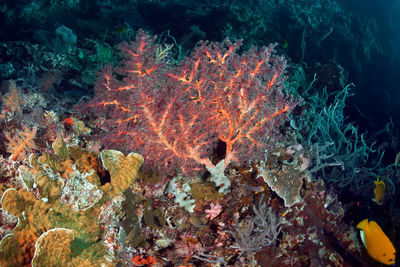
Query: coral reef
point(45, 211)
point(248, 158)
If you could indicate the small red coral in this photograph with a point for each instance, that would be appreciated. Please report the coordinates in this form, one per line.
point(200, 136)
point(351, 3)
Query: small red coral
point(140, 260)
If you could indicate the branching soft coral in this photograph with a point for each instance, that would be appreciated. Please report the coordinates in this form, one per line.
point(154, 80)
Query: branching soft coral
point(12, 101)
point(21, 143)
point(175, 115)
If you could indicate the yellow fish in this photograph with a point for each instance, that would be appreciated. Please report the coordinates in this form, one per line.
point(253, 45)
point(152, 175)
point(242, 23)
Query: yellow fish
point(379, 191)
point(376, 242)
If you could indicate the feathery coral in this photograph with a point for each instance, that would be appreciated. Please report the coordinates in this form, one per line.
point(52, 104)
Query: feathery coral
point(12, 100)
point(21, 143)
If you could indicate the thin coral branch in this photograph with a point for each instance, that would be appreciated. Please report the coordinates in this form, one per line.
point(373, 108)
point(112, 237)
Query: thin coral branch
point(21, 143)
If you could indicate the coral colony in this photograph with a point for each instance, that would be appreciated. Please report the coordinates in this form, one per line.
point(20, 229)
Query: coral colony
point(175, 115)
point(207, 157)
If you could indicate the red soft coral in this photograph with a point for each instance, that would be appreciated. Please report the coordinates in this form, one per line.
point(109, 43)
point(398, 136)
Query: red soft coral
point(175, 115)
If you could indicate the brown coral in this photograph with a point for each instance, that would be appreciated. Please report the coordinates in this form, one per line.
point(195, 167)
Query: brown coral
point(40, 209)
point(123, 170)
point(53, 248)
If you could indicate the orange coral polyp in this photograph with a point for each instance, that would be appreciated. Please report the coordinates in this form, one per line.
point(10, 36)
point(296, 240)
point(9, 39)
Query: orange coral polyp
point(140, 260)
